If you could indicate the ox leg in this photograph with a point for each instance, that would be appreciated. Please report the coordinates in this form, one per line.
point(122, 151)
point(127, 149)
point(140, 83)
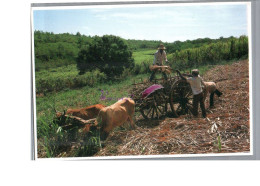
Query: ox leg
point(103, 135)
point(211, 100)
point(132, 122)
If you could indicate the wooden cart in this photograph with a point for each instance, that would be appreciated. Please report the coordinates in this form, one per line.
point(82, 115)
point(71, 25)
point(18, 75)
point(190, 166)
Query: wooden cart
point(154, 99)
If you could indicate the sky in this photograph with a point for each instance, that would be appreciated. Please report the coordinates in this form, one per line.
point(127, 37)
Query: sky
point(167, 23)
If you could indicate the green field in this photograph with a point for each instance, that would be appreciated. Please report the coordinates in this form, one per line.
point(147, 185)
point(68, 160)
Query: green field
point(143, 55)
point(66, 77)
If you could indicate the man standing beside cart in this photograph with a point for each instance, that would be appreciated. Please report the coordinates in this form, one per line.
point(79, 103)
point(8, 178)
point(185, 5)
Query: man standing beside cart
point(159, 58)
point(196, 83)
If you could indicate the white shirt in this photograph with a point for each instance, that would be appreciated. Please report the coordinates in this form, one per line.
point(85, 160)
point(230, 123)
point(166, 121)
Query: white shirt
point(159, 58)
point(196, 84)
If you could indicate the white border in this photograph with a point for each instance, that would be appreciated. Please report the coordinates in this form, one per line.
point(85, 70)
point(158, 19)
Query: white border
point(34, 137)
point(249, 21)
point(163, 4)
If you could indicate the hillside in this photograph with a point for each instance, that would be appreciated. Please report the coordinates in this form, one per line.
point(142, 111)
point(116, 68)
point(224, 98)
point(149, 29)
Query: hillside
point(229, 120)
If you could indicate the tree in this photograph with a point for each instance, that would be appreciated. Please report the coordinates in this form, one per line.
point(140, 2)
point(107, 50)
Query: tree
point(109, 54)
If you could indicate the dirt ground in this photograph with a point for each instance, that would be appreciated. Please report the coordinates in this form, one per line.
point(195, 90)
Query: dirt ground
point(226, 130)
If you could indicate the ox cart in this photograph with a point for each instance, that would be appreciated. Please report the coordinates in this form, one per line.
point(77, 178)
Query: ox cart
point(154, 99)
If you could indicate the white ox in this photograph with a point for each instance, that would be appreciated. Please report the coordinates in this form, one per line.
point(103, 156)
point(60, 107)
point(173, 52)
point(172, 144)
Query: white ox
point(211, 88)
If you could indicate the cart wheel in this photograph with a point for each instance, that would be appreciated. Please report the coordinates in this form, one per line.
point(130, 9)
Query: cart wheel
point(155, 106)
point(180, 98)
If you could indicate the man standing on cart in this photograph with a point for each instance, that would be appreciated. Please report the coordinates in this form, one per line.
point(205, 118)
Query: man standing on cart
point(159, 58)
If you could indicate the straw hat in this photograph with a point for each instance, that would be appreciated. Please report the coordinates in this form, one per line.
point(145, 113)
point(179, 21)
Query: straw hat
point(161, 47)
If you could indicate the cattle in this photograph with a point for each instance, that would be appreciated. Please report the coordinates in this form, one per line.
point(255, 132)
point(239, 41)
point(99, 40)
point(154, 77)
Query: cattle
point(84, 113)
point(115, 115)
point(211, 88)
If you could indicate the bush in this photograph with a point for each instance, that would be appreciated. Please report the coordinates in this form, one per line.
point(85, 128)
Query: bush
point(109, 54)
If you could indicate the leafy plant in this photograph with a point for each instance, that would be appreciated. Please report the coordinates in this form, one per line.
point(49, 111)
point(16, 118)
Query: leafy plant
point(109, 54)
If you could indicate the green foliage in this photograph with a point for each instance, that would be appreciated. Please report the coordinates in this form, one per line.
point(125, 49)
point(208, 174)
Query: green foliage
point(91, 144)
point(219, 144)
point(56, 55)
point(109, 54)
point(56, 50)
point(210, 54)
point(137, 45)
point(182, 45)
point(63, 78)
point(53, 139)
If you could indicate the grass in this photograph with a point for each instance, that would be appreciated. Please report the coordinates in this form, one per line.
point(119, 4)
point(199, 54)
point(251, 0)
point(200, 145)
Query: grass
point(143, 55)
point(66, 77)
point(219, 144)
point(78, 98)
point(51, 139)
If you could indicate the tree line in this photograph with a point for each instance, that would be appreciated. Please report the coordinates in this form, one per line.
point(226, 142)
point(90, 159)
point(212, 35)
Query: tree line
point(89, 53)
point(210, 54)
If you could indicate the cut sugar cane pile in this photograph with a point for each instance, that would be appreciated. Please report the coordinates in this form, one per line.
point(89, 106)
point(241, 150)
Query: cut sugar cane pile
point(226, 130)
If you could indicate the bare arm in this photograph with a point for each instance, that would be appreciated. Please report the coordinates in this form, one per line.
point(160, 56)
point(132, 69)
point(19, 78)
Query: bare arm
point(203, 83)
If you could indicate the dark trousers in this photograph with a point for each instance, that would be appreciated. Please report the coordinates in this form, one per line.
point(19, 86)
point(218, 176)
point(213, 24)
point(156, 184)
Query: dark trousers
point(211, 98)
point(153, 74)
point(198, 99)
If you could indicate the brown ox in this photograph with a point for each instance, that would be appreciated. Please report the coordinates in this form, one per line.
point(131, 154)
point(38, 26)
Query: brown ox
point(211, 88)
point(115, 115)
point(84, 113)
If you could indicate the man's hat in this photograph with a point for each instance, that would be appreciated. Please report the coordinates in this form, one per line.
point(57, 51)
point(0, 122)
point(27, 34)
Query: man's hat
point(161, 47)
point(195, 72)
